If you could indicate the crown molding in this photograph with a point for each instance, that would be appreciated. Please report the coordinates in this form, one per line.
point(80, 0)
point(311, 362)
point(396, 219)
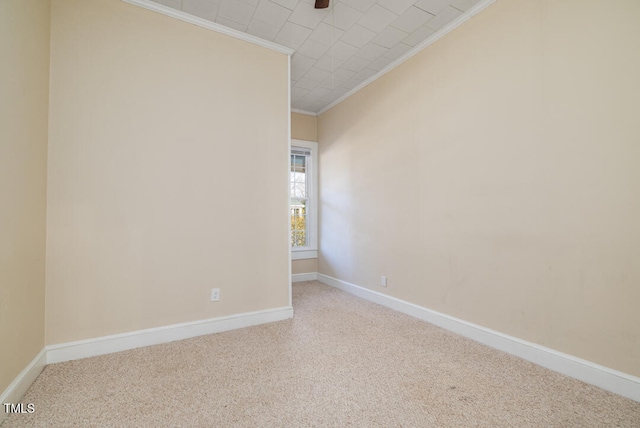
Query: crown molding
point(165, 10)
point(418, 48)
point(308, 113)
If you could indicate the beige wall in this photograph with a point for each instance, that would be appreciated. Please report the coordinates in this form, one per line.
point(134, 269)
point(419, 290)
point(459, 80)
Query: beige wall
point(494, 177)
point(304, 266)
point(24, 89)
point(304, 127)
point(167, 172)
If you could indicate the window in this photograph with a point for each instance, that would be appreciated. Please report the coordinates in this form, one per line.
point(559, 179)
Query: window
point(303, 194)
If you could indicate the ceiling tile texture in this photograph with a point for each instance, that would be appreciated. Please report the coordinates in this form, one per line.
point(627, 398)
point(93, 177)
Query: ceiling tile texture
point(338, 48)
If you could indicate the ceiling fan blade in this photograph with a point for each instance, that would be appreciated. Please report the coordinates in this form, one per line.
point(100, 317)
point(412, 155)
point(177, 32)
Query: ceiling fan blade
point(322, 4)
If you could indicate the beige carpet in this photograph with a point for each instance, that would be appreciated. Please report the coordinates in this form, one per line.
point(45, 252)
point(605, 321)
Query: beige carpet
point(341, 361)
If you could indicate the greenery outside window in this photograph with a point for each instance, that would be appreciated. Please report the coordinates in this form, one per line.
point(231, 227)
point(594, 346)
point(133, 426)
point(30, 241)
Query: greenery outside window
point(303, 194)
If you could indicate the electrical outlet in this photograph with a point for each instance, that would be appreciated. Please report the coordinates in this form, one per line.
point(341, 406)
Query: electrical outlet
point(215, 294)
point(383, 281)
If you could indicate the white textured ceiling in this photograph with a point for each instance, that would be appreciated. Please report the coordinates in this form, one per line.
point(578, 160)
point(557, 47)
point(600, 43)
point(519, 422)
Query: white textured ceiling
point(336, 49)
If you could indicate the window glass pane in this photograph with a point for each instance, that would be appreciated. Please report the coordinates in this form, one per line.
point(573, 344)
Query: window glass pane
point(298, 223)
point(298, 176)
point(299, 186)
point(298, 163)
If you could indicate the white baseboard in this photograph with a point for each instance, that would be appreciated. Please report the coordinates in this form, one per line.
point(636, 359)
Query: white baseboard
point(136, 339)
point(17, 388)
point(301, 277)
point(586, 371)
point(154, 336)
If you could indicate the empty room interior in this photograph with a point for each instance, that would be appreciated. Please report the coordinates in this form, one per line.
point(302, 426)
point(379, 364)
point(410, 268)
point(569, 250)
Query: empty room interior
point(270, 214)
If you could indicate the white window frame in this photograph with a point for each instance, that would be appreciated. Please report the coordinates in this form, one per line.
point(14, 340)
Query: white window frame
point(310, 251)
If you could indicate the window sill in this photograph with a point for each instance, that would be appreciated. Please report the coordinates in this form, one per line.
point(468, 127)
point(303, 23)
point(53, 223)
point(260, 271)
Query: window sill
point(300, 254)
